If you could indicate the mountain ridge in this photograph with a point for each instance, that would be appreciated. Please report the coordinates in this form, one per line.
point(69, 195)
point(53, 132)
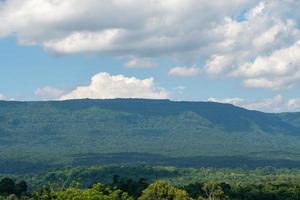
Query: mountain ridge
point(54, 131)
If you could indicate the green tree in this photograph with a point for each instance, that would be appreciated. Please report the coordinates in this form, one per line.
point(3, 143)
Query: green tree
point(213, 191)
point(7, 187)
point(45, 193)
point(97, 192)
point(132, 187)
point(21, 188)
point(163, 191)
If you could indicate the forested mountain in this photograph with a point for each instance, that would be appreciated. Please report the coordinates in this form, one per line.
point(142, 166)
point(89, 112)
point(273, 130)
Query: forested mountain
point(39, 135)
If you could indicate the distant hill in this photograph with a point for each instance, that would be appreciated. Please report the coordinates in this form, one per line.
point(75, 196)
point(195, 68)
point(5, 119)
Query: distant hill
point(39, 135)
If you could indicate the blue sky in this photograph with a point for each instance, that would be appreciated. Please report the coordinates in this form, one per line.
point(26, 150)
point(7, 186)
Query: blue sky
point(241, 52)
point(26, 68)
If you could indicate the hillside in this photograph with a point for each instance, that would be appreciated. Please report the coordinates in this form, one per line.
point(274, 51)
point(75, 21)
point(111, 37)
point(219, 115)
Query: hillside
point(39, 135)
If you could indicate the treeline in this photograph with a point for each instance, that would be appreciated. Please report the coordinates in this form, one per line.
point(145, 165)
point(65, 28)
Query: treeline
point(87, 176)
point(129, 189)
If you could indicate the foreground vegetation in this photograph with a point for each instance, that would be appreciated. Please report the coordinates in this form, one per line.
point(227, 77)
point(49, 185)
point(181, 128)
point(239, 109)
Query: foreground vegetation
point(125, 182)
point(159, 190)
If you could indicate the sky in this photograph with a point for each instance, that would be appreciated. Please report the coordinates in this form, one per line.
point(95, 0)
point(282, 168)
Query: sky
point(243, 52)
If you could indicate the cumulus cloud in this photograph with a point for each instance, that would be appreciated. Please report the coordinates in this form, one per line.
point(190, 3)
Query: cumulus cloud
point(217, 64)
point(85, 41)
point(262, 49)
point(140, 28)
point(184, 71)
point(49, 92)
point(275, 104)
point(255, 41)
point(106, 86)
point(280, 69)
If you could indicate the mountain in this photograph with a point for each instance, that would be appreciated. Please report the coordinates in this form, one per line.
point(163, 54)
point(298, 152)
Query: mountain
point(40, 135)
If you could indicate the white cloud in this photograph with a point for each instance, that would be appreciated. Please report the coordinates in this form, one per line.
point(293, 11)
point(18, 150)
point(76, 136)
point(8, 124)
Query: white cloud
point(217, 64)
point(77, 42)
point(146, 28)
point(140, 63)
point(255, 46)
point(280, 69)
point(234, 101)
point(275, 104)
point(106, 86)
point(49, 92)
point(268, 37)
point(263, 49)
point(184, 71)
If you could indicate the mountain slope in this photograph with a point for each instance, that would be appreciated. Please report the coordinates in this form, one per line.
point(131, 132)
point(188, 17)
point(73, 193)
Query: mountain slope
point(39, 134)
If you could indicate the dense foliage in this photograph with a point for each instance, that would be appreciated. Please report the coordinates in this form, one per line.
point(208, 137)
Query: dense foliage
point(8, 187)
point(158, 190)
point(36, 136)
point(127, 181)
point(135, 174)
point(161, 190)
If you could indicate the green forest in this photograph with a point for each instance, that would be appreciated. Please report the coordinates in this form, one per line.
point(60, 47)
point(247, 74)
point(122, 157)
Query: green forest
point(124, 182)
point(37, 136)
point(146, 149)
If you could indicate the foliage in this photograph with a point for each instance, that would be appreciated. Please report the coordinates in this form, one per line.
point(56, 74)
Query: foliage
point(97, 192)
point(162, 191)
point(8, 187)
point(133, 176)
point(132, 187)
point(213, 191)
point(36, 136)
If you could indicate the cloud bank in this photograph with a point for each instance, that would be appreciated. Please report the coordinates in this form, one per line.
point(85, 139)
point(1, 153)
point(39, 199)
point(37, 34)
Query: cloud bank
point(262, 49)
point(49, 92)
point(127, 27)
point(275, 104)
point(254, 41)
point(106, 86)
